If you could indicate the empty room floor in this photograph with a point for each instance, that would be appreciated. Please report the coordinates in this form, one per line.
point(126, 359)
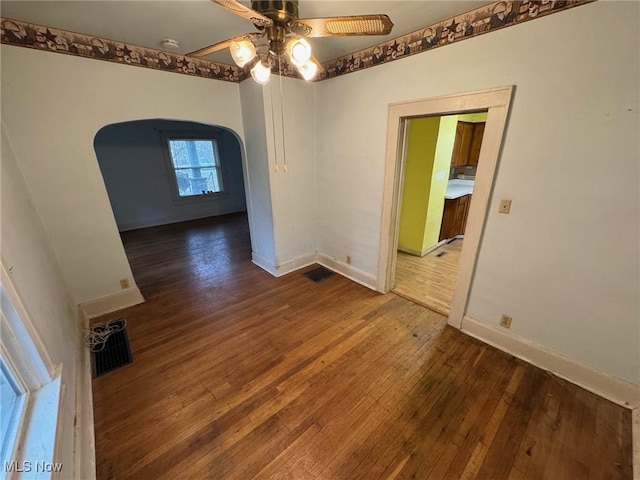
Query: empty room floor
point(240, 375)
point(429, 280)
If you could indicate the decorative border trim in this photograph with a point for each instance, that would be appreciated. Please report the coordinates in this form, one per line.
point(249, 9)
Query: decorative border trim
point(476, 22)
point(38, 37)
point(111, 303)
point(602, 384)
point(492, 17)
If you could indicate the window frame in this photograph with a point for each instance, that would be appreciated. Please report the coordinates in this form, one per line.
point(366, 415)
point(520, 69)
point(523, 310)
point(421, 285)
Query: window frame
point(17, 423)
point(168, 135)
point(23, 351)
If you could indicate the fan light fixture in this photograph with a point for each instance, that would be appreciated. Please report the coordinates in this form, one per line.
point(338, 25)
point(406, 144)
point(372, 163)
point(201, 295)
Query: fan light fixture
point(297, 49)
point(308, 70)
point(261, 72)
point(243, 52)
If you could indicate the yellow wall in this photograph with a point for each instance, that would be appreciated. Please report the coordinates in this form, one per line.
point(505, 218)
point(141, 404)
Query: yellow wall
point(473, 117)
point(439, 180)
point(429, 149)
point(421, 147)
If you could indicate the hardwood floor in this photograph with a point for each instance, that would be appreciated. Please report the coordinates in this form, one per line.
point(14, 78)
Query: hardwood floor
point(429, 280)
point(240, 375)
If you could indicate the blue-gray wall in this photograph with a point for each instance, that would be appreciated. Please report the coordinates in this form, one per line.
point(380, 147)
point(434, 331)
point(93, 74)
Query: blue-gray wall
point(135, 173)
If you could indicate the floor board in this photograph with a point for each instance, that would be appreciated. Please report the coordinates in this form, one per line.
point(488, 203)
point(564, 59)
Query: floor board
point(429, 280)
point(237, 375)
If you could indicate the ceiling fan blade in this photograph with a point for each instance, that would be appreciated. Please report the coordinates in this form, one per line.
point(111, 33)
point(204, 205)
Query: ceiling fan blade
point(258, 19)
point(342, 26)
point(216, 47)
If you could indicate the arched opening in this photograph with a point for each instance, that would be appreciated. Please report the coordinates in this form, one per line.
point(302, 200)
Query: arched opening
point(174, 186)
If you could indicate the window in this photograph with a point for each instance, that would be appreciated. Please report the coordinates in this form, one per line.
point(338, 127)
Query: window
point(30, 393)
point(196, 166)
point(12, 403)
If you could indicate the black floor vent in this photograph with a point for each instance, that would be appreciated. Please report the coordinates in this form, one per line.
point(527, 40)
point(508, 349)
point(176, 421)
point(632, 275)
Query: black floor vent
point(318, 274)
point(116, 351)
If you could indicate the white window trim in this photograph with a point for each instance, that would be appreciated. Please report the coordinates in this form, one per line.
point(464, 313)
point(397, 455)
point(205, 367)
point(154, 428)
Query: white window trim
point(25, 353)
point(165, 137)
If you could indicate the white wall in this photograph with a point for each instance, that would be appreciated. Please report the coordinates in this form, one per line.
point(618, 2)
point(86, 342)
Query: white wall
point(52, 107)
point(292, 192)
point(565, 262)
point(37, 278)
point(282, 204)
point(132, 161)
point(256, 175)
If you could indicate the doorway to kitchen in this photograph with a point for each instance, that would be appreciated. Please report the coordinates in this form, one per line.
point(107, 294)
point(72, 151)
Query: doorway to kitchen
point(496, 103)
point(441, 161)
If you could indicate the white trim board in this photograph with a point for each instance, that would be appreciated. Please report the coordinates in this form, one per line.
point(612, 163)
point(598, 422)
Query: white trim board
point(635, 435)
point(496, 102)
point(84, 441)
point(111, 303)
point(618, 391)
point(346, 270)
point(349, 271)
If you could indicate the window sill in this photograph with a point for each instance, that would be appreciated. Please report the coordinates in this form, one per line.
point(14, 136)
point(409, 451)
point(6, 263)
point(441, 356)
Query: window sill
point(37, 447)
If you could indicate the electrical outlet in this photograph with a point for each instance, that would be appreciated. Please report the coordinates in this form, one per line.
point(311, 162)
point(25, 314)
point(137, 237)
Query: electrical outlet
point(505, 321)
point(505, 206)
point(124, 283)
point(348, 260)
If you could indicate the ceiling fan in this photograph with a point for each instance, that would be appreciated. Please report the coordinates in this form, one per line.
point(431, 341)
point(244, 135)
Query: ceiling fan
point(279, 22)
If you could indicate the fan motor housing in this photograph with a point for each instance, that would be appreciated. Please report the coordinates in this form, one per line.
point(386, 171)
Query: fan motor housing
point(277, 10)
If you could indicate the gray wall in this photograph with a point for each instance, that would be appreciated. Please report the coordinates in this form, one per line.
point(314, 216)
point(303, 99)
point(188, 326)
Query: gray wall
point(138, 183)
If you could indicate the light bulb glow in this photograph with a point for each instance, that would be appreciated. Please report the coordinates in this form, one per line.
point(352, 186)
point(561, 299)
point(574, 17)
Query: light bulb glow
point(261, 73)
point(308, 70)
point(243, 52)
point(299, 51)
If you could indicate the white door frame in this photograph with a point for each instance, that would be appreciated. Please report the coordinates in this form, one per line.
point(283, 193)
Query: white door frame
point(496, 101)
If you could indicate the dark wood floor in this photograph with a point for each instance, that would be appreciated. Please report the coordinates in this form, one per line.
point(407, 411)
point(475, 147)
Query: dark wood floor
point(239, 375)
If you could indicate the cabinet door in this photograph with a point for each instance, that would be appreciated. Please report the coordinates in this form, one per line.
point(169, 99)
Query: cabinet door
point(464, 134)
point(476, 142)
point(466, 214)
point(461, 208)
point(448, 219)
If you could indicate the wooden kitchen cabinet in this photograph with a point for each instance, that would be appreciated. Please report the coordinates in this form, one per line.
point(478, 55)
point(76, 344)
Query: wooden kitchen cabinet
point(454, 219)
point(464, 135)
point(476, 143)
point(466, 149)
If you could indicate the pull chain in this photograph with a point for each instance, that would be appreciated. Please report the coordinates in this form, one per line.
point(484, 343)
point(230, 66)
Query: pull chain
point(273, 129)
point(284, 148)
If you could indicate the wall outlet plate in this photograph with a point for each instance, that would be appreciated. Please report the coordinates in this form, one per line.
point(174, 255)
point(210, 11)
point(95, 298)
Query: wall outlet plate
point(505, 321)
point(505, 206)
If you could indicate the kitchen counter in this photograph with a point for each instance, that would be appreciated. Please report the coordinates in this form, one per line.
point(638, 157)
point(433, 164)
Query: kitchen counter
point(459, 188)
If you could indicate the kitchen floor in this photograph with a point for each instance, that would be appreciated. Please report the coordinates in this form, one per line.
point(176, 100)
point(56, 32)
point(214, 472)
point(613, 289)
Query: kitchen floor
point(429, 281)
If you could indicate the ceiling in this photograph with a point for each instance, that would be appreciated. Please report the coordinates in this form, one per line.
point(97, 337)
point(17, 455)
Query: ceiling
point(198, 23)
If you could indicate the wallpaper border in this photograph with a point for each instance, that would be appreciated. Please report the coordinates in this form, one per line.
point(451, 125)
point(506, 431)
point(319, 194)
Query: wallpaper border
point(491, 17)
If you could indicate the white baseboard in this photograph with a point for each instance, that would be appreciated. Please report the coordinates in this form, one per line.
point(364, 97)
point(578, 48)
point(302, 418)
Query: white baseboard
point(423, 253)
point(349, 271)
point(264, 264)
point(617, 390)
point(111, 303)
point(295, 264)
point(84, 443)
point(635, 436)
point(346, 270)
point(284, 267)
